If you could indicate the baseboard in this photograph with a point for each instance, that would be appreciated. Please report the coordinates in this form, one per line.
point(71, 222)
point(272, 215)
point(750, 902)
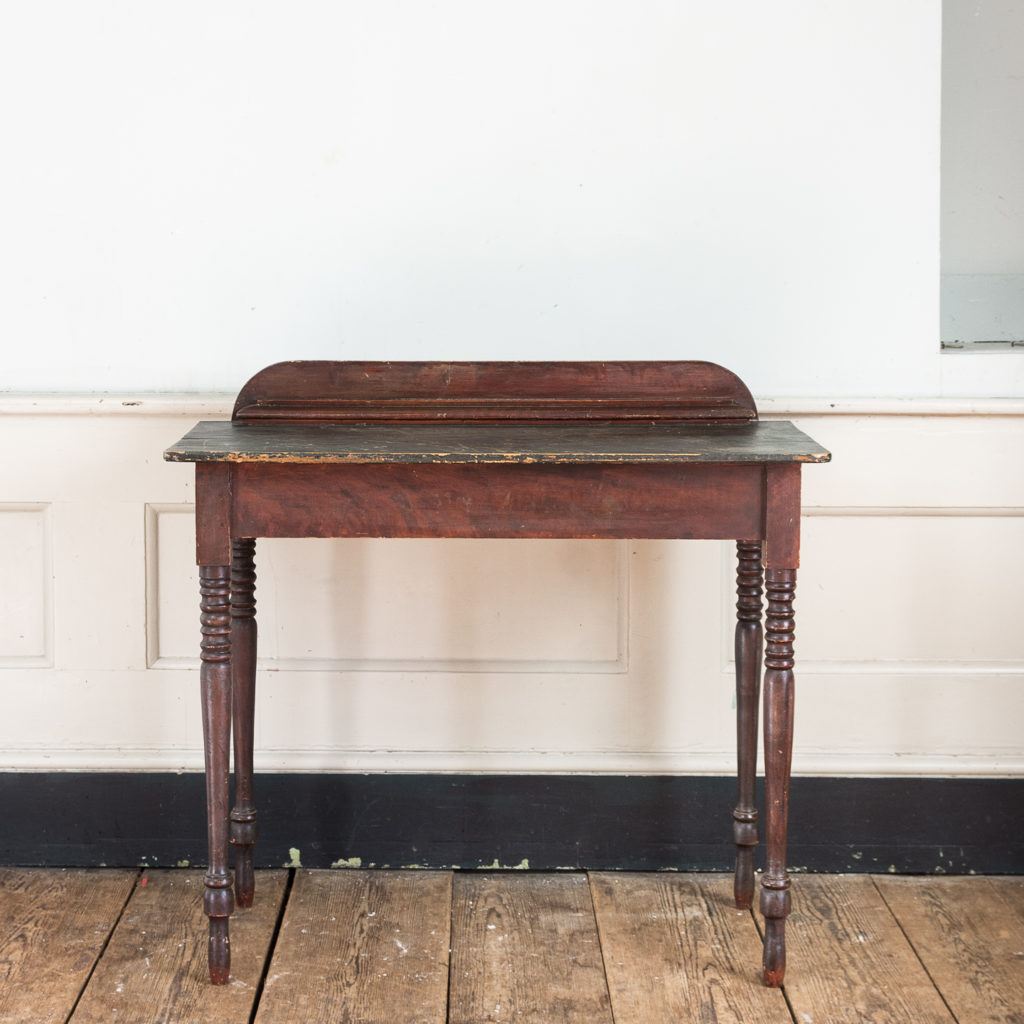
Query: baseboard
point(904, 825)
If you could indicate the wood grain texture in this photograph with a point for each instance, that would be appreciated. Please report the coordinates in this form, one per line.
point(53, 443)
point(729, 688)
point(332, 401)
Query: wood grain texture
point(969, 933)
point(676, 949)
point(850, 961)
point(498, 449)
point(155, 970)
point(341, 391)
point(361, 947)
point(749, 650)
point(509, 442)
point(779, 697)
point(654, 501)
point(53, 928)
point(525, 950)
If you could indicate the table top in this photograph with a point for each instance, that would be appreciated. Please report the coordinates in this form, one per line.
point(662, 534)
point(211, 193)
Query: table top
point(615, 442)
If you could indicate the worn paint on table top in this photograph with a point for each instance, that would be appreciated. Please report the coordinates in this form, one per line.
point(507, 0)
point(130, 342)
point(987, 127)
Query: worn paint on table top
point(613, 442)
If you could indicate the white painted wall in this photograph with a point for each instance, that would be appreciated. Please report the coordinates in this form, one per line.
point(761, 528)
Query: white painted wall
point(190, 193)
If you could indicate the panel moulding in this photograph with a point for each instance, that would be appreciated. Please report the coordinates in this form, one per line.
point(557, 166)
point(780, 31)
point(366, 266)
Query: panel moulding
point(874, 666)
point(37, 595)
point(617, 663)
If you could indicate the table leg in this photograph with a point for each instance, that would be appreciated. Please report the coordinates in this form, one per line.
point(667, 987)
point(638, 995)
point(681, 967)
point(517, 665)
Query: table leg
point(244, 826)
point(778, 748)
point(215, 684)
point(749, 646)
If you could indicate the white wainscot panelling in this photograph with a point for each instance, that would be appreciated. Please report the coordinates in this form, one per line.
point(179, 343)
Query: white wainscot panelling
point(909, 651)
point(518, 656)
point(26, 597)
point(400, 605)
point(912, 592)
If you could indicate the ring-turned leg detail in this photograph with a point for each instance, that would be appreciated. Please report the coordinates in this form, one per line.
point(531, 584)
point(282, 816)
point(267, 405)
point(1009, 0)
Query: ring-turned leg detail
point(244, 826)
point(749, 646)
point(215, 685)
point(778, 750)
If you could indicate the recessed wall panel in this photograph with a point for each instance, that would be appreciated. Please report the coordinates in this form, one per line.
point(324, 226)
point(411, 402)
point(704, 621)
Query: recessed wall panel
point(401, 605)
point(26, 595)
point(911, 589)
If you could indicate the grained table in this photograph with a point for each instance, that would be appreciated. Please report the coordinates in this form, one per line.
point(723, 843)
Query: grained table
point(497, 449)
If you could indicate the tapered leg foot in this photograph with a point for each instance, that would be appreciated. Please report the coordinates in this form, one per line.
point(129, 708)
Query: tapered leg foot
point(243, 836)
point(220, 951)
point(218, 904)
point(245, 880)
point(743, 878)
point(774, 951)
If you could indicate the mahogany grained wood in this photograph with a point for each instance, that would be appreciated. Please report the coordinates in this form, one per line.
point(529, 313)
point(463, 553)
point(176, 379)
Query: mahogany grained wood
point(215, 683)
point(213, 513)
point(749, 645)
point(780, 585)
point(244, 825)
point(782, 516)
point(329, 391)
point(604, 450)
point(652, 501)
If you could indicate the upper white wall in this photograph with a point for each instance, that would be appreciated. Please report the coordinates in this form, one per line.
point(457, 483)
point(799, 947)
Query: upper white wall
point(193, 191)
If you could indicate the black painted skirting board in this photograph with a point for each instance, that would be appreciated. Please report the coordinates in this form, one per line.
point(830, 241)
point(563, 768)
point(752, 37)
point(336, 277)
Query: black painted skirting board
point(542, 822)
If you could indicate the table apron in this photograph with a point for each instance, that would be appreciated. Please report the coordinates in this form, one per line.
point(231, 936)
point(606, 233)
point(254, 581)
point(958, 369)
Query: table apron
point(657, 501)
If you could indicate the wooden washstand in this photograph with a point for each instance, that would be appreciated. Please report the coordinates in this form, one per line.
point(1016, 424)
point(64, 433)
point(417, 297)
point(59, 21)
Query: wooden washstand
point(497, 449)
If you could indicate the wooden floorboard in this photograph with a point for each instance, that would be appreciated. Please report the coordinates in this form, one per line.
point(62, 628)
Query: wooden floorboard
point(361, 947)
point(154, 970)
point(54, 924)
point(396, 947)
point(969, 934)
point(677, 949)
point(525, 949)
point(848, 959)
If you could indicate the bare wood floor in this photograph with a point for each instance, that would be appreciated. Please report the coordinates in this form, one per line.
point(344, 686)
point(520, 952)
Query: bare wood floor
point(397, 947)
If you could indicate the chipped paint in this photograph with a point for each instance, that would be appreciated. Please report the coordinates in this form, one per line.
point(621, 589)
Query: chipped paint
point(296, 858)
point(347, 862)
point(523, 865)
point(497, 443)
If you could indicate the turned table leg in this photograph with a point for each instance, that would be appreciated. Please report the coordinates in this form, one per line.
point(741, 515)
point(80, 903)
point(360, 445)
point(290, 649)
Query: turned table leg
point(778, 750)
point(215, 684)
point(749, 644)
point(244, 826)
